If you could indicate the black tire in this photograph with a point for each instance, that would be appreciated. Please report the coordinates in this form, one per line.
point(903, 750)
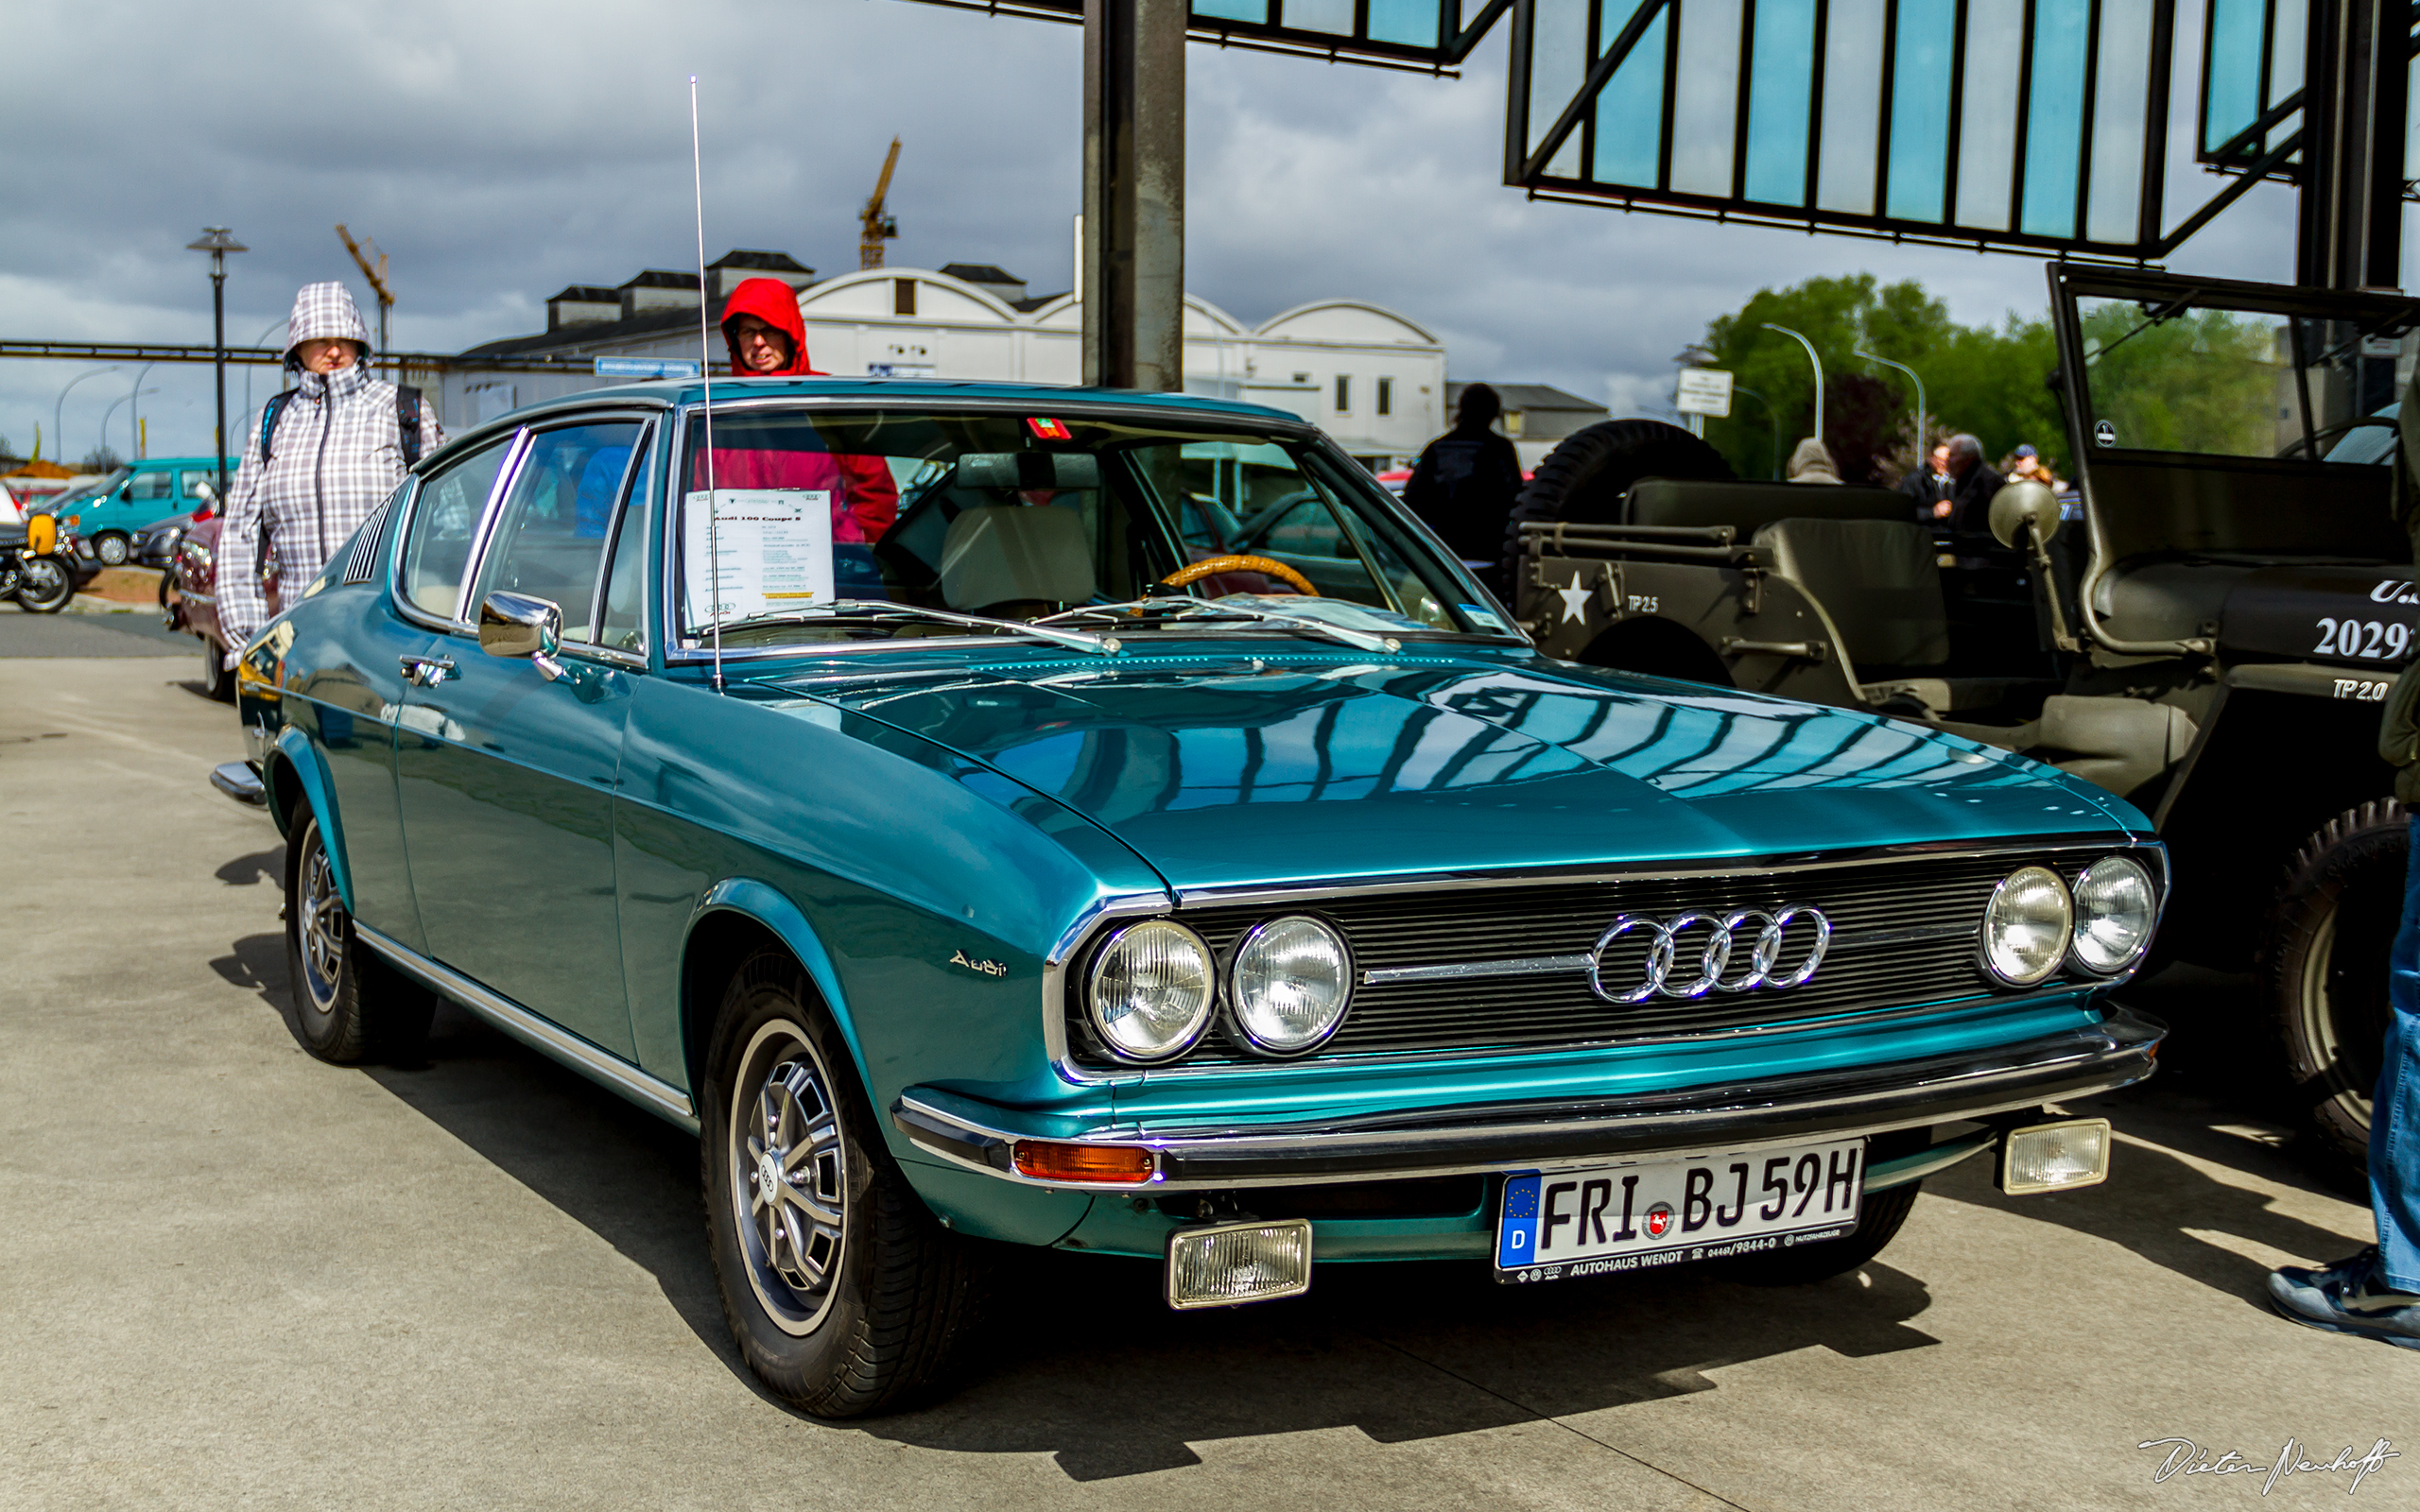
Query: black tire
point(1584, 478)
point(859, 1299)
point(216, 682)
point(2324, 969)
point(349, 1006)
point(46, 586)
point(1884, 1214)
point(113, 549)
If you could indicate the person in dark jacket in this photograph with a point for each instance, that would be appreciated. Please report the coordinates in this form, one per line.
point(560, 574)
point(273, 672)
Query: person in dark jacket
point(1971, 484)
point(1467, 479)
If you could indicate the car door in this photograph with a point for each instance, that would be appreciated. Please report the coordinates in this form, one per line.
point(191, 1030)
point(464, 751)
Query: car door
point(506, 774)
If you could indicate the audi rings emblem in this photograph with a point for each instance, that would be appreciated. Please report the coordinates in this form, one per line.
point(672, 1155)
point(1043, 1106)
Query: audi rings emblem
point(1708, 942)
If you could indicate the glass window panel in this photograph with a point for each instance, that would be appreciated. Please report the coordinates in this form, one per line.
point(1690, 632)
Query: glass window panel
point(1706, 97)
point(1920, 77)
point(2234, 83)
point(148, 488)
point(1629, 111)
point(624, 627)
point(2289, 38)
point(202, 485)
point(2054, 117)
point(1987, 133)
point(1256, 11)
point(1557, 62)
point(1332, 16)
point(1852, 106)
point(549, 542)
point(444, 526)
point(1412, 22)
point(1780, 89)
point(2120, 86)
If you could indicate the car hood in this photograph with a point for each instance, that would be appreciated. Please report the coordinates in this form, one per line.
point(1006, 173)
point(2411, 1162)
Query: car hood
point(1227, 770)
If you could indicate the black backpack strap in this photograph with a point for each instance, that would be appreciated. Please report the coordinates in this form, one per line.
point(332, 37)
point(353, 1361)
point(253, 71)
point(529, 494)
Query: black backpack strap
point(407, 422)
point(270, 412)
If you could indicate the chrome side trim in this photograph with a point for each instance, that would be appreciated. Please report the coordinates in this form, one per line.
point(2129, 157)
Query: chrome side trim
point(1979, 1084)
point(609, 1071)
point(1466, 971)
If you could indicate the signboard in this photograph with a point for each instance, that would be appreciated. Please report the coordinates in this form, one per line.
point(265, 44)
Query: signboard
point(756, 552)
point(646, 367)
point(1704, 391)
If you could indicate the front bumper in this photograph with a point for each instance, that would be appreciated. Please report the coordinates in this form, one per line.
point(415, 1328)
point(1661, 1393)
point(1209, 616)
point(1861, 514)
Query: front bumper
point(2116, 1052)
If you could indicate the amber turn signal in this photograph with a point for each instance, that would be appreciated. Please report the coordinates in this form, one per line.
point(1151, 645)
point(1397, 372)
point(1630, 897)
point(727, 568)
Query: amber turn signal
point(1083, 1163)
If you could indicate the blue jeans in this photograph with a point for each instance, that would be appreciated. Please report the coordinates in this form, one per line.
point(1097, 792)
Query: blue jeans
point(2395, 1108)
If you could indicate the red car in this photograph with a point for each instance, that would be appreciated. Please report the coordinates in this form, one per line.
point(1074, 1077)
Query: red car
point(189, 600)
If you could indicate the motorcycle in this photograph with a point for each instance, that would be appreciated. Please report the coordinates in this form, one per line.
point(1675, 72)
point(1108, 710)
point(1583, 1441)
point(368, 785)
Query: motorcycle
point(39, 566)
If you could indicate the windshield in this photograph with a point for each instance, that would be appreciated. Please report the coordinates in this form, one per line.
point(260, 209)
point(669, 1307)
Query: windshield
point(83, 492)
point(848, 525)
point(2181, 374)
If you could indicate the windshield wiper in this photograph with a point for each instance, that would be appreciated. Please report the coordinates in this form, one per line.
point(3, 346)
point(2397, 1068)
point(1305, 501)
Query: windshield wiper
point(1210, 609)
point(839, 608)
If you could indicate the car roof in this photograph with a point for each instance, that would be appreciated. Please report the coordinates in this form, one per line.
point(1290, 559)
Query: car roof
point(1040, 397)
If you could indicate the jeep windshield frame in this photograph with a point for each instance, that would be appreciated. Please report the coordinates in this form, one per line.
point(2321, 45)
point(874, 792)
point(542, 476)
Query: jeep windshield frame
point(2200, 445)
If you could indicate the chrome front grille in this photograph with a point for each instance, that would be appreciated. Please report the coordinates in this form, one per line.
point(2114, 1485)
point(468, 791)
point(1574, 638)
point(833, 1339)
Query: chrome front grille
point(1902, 937)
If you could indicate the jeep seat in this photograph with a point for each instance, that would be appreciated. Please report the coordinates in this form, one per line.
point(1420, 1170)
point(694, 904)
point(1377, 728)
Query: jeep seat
point(1879, 583)
point(1749, 507)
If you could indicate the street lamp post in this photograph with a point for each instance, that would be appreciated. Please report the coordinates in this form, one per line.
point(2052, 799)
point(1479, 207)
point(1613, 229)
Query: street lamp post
point(110, 413)
point(1920, 396)
point(1818, 371)
point(219, 242)
point(260, 340)
point(59, 410)
point(135, 418)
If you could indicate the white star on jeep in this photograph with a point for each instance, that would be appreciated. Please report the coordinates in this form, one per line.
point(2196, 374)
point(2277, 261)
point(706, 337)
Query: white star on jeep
point(1575, 600)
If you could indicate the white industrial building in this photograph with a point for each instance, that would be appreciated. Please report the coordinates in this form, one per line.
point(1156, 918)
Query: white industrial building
point(1373, 379)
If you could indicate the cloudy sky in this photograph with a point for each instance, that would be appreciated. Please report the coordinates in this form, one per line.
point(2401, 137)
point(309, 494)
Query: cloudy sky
point(499, 151)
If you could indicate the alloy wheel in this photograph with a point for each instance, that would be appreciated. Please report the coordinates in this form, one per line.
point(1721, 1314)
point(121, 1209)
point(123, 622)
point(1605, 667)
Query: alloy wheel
point(323, 927)
point(788, 1174)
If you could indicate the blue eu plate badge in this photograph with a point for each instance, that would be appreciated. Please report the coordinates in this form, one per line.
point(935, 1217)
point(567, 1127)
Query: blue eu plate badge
point(1516, 1237)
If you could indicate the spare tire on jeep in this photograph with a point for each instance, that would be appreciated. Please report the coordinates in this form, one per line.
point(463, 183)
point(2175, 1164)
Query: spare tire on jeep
point(1582, 480)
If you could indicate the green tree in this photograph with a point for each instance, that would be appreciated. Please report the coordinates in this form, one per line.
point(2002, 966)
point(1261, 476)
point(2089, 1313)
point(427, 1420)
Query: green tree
point(1993, 383)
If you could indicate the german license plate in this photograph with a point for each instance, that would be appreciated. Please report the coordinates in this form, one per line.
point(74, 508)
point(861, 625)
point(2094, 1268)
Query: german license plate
point(1604, 1219)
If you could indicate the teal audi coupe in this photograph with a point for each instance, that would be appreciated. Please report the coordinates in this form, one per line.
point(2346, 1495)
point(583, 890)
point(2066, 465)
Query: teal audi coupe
point(994, 815)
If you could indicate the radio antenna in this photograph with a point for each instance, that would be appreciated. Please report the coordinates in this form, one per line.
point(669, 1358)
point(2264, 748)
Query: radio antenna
point(706, 371)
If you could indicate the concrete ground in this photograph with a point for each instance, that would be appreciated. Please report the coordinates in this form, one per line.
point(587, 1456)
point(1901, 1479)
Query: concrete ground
point(230, 1275)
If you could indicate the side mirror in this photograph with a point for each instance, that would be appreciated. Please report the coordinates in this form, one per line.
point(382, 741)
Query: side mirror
point(2023, 510)
point(516, 625)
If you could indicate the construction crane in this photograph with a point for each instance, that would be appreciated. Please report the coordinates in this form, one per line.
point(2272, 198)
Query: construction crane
point(879, 226)
point(377, 277)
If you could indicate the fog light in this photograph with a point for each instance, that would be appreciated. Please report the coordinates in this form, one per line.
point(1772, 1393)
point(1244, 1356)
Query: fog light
point(1124, 1165)
point(1223, 1264)
point(2055, 1156)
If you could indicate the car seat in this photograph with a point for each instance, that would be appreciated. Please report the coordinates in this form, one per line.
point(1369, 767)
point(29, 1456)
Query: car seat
point(1008, 560)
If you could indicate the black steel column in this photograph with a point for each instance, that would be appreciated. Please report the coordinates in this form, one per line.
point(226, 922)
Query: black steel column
point(2350, 234)
point(1131, 270)
point(218, 368)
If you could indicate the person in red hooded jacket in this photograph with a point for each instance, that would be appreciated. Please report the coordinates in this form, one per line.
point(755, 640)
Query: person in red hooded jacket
point(768, 340)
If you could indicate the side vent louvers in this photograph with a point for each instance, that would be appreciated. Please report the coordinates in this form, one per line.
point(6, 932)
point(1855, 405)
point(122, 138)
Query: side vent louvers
point(361, 563)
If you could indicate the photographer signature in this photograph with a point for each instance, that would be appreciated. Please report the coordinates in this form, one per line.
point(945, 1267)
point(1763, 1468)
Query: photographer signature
point(2186, 1457)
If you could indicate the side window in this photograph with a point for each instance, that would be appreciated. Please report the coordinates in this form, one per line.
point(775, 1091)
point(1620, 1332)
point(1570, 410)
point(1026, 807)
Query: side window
point(201, 487)
point(444, 527)
point(624, 627)
point(550, 538)
point(147, 488)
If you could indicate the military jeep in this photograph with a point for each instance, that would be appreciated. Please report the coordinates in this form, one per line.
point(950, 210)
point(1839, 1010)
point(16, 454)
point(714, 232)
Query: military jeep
point(2209, 634)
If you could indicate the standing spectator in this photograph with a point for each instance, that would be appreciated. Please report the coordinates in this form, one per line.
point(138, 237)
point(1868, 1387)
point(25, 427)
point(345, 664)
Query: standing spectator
point(2027, 463)
point(2375, 1292)
point(1811, 462)
point(1971, 483)
point(1926, 483)
point(1465, 482)
point(336, 449)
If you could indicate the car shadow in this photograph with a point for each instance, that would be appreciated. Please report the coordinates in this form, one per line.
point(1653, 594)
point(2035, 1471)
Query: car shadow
point(261, 866)
point(1099, 1374)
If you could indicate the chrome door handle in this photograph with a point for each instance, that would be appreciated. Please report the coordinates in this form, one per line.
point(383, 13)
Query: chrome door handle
point(428, 671)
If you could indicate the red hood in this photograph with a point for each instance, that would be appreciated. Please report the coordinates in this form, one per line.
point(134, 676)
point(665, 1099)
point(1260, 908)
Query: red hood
point(773, 302)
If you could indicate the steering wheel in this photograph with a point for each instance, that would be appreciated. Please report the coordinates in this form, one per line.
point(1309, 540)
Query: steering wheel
point(2329, 433)
point(1195, 572)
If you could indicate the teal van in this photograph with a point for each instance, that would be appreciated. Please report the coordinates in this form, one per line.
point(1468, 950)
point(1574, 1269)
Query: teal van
point(109, 513)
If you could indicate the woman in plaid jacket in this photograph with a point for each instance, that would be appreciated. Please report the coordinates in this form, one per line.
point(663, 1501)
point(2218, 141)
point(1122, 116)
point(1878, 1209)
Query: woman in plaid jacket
point(336, 454)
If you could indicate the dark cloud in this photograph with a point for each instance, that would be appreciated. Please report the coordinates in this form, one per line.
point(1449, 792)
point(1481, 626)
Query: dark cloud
point(500, 151)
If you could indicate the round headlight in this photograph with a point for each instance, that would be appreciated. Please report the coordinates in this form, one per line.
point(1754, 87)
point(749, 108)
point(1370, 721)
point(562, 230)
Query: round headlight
point(1292, 977)
point(2116, 906)
point(2026, 925)
point(1151, 991)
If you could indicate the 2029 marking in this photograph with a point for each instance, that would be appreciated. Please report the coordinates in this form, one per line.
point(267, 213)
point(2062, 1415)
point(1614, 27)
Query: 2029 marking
point(2371, 640)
